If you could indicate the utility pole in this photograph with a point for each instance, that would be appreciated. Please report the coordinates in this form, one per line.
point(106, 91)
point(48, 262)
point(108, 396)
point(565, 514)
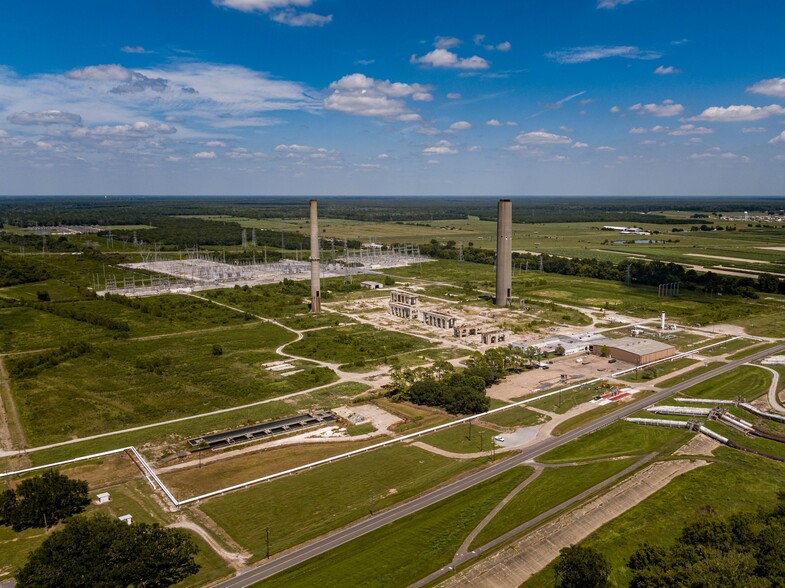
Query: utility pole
point(267, 540)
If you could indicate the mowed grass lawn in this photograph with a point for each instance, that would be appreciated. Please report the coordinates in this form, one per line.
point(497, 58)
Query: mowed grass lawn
point(405, 551)
point(303, 506)
point(736, 482)
point(349, 344)
point(616, 440)
point(463, 438)
point(747, 382)
point(122, 384)
point(551, 488)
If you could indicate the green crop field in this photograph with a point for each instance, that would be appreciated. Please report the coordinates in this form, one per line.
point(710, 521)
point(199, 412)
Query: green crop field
point(405, 551)
point(308, 504)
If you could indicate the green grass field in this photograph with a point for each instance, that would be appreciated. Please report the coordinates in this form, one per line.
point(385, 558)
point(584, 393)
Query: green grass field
point(308, 504)
point(616, 440)
point(659, 370)
point(463, 438)
point(350, 344)
point(745, 382)
point(405, 551)
point(700, 369)
point(551, 488)
point(517, 417)
point(730, 347)
point(687, 498)
point(122, 384)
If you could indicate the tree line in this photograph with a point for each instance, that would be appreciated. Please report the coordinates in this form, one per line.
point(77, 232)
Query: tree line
point(20, 270)
point(649, 273)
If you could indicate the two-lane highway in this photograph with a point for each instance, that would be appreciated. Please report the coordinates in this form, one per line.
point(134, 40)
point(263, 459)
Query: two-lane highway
point(301, 554)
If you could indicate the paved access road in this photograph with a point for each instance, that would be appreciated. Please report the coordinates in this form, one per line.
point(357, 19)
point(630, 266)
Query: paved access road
point(302, 554)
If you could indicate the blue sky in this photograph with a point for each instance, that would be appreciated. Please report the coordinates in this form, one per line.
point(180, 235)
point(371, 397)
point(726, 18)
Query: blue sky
point(516, 97)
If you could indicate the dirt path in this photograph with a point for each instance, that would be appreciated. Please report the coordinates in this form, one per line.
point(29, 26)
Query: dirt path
point(9, 416)
point(236, 560)
point(512, 566)
point(774, 400)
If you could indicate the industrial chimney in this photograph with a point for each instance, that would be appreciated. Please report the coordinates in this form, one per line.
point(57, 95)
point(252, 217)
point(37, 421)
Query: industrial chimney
point(316, 296)
point(504, 254)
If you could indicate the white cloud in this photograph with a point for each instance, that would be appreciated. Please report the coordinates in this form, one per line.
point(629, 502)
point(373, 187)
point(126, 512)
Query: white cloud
point(441, 148)
point(205, 155)
point(771, 87)
point(579, 145)
point(604, 148)
point(133, 49)
point(511, 123)
point(46, 118)
point(503, 46)
point(135, 130)
point(778, 139)
point(542, 138)
point(638, 131)
point(429, 131)
point(474, 149)
point(361, 95)
point(173, 159)
point(422, 97)
point(493, 123)
point(595, 52)
point(460, 125)
point(214, 144)
point(382, 156)
point(446, 42)
point(714, 155)
point(614, 109)
point(685, 130)
point(667, 108)
point(295, 148)
point(753, 130)
point(453, 96)
point(101, 73)
point(301, 19)
point(444, 58)
point(739, 113)
point(280, 11)
point(665, 71)
point(611, 4)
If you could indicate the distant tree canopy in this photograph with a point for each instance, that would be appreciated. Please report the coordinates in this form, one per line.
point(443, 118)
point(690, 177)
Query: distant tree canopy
point(744, 549)
point(42, 501)
point(15, 269)
point(103, 552)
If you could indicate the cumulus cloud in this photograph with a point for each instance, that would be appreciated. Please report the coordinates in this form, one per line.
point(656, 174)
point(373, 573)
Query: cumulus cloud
point(446, 42)
point(614, 109)
point(281, 11)
point(739, 113)
point(215, 144)
point(685, 130)
point(778, 139)
point(134, 130)
point(493, 123)
point(440, 148)
point(205, 155)
point(667, 108)
point(579, 145)
point(295, 148)
point(595, 52)
point(665, 71)
point(46, 118)
point(460, 125)
point(771, 87)
point(604, 148)
point(714, 154)
point(361, 95)
point(611, 4)
point(138, 82)
point(101, 73)
point(448, 59)
point(453, 96)
point(422, 97)
point(133, 49)
point(503, 46)
point(542, 138)
point(301, 19)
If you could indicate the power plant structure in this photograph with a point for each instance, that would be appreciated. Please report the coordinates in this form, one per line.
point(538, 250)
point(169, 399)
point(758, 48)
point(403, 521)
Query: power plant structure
point(504, 253)
point(316, 299)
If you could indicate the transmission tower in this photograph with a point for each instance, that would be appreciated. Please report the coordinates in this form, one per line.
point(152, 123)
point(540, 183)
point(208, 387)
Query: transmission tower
point(542, 266)
point(628, 276)
point(253, 238)
point(460, 251)
point(245, 240)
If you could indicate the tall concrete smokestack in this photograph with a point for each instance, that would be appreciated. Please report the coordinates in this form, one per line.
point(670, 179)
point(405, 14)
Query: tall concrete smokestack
point(316, 294)
point(504, 253)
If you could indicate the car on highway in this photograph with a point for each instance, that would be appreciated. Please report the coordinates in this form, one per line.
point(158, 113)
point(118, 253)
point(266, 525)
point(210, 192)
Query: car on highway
point(499, 438)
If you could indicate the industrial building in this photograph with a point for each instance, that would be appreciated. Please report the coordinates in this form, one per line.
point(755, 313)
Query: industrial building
point(571, 344)
point(634, 350)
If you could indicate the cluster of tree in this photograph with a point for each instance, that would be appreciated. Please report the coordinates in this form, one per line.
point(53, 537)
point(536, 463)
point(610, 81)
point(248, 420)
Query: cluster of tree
point(32, 243)
point(29, 365)
point(42, 501)
point(743, 549)
point(650, 273)
point(459, 391)
point(103, 551)
point(20, 270)
point(81, 315)
point(138, 210)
